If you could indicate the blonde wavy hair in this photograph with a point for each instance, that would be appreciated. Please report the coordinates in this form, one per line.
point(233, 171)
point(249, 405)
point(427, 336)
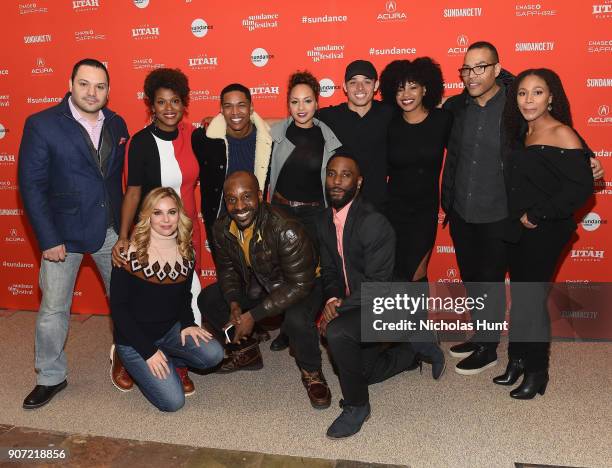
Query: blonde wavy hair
point(141, 237)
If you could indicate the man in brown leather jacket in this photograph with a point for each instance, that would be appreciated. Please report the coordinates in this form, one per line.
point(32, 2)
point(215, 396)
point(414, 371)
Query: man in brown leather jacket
point(265, 265)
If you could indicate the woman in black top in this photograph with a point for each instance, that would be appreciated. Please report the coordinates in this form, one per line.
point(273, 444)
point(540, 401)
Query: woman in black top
point(550, 178)
point(417, 137)
point(155, 331)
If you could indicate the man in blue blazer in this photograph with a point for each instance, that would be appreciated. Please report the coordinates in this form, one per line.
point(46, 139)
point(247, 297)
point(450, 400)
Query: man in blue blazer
point(70, 167)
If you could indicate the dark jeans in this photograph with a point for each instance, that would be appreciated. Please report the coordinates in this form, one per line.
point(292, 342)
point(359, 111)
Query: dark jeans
point(299, 323)
point(362, 364)
point(167, 394)
point(533, 260)
point(482, 257)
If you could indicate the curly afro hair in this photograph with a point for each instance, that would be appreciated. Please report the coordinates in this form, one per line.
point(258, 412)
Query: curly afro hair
point(169, 78)
point(515, 123)
point(422, 70)
point(306, 78)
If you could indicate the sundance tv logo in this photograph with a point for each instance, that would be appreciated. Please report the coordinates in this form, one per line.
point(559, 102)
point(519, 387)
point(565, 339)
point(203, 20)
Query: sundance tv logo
point(534, 46)
point(599, 83)
point(85, 5)
point(462, 43)
point(37, 39)
point(260, 57)
point(328, 87)
point(391, 13)
point(602, 118)
point(199, 27)
point(145, 32)
point(461, 12)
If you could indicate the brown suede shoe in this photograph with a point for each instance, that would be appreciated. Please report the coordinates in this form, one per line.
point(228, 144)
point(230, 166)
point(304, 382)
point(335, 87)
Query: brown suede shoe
point(246, 358)
point(119, 375)
point(317, 389)
point(188, 386)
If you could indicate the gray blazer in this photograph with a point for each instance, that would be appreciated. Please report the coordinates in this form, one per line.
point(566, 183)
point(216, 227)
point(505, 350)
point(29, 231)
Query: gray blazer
point(283, 148)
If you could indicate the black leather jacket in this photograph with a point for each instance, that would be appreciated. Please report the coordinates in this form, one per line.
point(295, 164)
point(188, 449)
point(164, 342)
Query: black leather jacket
point(282, 259)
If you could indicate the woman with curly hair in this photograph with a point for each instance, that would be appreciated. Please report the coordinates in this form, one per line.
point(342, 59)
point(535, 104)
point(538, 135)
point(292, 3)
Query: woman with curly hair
point(417, 138)
point(155, 331)
point(550, 179)
point(160, 155)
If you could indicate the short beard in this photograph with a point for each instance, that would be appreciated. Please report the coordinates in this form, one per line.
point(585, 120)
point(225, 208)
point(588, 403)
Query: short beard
point(345, 200)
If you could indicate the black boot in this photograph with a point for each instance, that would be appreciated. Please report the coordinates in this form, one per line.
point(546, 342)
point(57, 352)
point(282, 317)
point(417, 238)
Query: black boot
point(514, 369)
point(533, 382)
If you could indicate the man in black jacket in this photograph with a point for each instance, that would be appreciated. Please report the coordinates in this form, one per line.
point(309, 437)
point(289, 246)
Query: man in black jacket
point(265, 266)
point(357, 245)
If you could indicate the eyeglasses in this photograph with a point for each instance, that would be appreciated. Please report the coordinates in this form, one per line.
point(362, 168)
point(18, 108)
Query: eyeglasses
point(478, 69)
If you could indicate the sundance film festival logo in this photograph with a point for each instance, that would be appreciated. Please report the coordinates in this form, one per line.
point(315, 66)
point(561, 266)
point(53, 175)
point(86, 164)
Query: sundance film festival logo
point(265, 91)
point(602, 10)
point(5, 100)
point(602, 118)
point(261, 21)
point(31, 7)
point(146, 64)
point(145, 32)
point(533, 9)
point(534, 46)
point(37, 39)
point(202, 62)
point(14, 237)
point(598, 47)
point(20, 289)
point(587, 254)
point(592, 221)
point(602, 187)
point(199, 27)
point(260, 57)
point(327, 87)
point(462, 43)
point(391, 13)
point(599, 83)
point(85, 5)
point(88, 35)
point(461, 12)
point(7, 159)
point(326, 52)
point(41, 68)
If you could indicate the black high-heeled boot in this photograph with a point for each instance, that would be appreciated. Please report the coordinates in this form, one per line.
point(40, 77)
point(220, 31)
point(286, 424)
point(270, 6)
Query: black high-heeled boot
point(533, 382)
point(514, 369)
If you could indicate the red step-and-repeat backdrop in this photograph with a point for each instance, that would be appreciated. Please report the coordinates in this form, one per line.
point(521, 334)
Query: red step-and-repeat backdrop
point(259, 44)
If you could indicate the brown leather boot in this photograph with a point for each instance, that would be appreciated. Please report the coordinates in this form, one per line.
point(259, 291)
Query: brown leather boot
point(188, 386)
point(119, 375)
point(247, 357)
point(317, 389)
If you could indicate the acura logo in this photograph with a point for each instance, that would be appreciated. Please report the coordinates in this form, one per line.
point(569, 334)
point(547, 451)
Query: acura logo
point(462, 40)
point(604, 110)
point(391, 6)
point(40, 62)
point(451, 273)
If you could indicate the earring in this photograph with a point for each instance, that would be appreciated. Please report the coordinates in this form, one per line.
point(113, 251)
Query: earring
point(549, 107)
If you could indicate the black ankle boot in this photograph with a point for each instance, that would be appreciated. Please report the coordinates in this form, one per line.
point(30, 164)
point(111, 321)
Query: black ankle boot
point(515, 368)
point(533, 382)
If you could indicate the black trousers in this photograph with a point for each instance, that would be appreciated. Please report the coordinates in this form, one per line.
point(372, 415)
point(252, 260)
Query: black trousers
point(362, 364)
point(299, 323)
point(482, 256)
point(533, 261)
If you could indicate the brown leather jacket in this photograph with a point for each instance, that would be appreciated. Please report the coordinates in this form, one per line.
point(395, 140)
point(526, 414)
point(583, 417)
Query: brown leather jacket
point(282, 261)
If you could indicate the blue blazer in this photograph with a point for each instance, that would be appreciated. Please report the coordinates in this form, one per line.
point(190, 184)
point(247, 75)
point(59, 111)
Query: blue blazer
point(62, 188)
